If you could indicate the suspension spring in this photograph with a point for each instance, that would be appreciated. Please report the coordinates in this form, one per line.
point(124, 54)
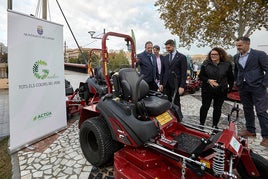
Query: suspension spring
point(218, 161)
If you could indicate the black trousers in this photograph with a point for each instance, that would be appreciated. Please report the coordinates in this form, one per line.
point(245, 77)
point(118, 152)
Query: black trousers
point(194, 74)
point(218, 99)
point(255, 96)
point(169, 91)
point(152, 86)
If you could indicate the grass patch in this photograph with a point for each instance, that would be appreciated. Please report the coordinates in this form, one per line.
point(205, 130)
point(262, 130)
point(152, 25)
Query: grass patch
point(5, 160)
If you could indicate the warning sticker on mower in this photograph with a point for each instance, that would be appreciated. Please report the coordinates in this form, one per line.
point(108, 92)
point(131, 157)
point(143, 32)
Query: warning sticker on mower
point(235, 144)
point(164, 118)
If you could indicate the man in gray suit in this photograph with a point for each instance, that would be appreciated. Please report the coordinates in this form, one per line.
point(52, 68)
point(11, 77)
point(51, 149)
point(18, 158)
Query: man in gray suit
point(251, 75)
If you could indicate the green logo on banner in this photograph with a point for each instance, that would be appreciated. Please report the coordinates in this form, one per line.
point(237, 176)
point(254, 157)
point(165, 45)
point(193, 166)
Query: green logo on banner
point(42, 116)
point(39, 70)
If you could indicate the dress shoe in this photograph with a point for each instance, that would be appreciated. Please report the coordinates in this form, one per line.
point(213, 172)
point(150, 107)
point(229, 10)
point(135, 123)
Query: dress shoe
point(246, 133)
point(264, 142)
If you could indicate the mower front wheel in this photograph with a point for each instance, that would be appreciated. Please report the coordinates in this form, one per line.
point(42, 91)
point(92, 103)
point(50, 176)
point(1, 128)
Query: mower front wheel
point(96, 141)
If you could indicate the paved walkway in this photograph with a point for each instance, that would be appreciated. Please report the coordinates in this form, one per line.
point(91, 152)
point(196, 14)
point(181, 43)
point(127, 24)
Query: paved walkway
point(61, 159)
point(60, 155)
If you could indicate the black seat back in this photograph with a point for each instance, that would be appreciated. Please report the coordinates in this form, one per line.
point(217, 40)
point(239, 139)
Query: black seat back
point(99, 76)
point(133, 86)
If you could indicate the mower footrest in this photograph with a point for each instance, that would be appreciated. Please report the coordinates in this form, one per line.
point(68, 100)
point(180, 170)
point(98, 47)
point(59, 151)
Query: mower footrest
point(187, 143)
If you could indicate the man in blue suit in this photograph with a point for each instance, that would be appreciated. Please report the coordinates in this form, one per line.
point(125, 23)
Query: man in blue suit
point(174, 62)
point(148, 66)
point(251, 75)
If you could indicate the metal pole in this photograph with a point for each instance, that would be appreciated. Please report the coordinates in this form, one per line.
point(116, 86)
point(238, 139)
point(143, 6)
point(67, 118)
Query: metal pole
point(9, 4)
point(1, 52)
point(83, 56)
point(44, 11)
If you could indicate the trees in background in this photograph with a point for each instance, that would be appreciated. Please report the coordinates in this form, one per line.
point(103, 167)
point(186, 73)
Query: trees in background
point(3, 53)
point(117, 59)
point(213, 22)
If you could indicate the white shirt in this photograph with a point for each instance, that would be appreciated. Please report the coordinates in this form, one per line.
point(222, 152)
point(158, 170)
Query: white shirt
point(195, 67)
point(158, 60)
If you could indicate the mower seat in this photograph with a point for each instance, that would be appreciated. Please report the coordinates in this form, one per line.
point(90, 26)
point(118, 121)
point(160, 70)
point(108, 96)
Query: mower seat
point(137, 90)
point(95, 88)
point(94, 85)
point(99, 76)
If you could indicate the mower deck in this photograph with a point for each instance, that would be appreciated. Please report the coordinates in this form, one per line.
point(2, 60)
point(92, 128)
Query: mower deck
point(145, 163)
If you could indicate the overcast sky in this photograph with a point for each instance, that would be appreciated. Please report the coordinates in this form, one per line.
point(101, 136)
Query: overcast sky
point(117, 15)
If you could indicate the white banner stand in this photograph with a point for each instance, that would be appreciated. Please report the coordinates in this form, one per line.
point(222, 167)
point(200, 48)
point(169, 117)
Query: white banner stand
point(37, 105)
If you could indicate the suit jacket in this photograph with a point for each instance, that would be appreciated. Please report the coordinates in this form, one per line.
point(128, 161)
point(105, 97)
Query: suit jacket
point(147, 67)
point(177, 65)
point(255, 72)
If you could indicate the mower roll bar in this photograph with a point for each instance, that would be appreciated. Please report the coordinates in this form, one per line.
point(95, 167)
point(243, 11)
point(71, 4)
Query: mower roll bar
point(90, 60)
point(105, 55)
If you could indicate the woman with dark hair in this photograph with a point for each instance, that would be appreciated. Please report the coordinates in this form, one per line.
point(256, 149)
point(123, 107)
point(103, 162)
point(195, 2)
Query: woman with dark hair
point(217, 78)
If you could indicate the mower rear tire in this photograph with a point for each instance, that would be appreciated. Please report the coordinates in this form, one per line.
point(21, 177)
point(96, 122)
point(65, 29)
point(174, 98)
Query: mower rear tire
point(96, 141)
point(260, 163)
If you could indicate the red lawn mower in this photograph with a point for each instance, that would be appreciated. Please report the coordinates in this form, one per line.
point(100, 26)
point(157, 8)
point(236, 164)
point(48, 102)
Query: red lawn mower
point(142, 132)
point(88, 92)
point(233, 95)
point(192, 85)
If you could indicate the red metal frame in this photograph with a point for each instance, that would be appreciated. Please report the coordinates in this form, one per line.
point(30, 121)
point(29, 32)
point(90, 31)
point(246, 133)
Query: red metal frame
point(90, 53)
point(105, 55)
point(73, 105)
point(87, 112)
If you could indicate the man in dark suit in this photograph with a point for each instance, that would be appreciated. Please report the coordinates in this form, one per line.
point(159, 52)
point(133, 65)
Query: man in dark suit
point(251, 75)
point(148, 67)
point(174, 62)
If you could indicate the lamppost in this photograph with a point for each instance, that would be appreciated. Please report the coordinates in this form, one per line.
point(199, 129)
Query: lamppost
point(97, 36)
point(129, 48)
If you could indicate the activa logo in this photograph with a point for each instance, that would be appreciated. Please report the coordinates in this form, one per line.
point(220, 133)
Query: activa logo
point(39, 70)
point(42, 116)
